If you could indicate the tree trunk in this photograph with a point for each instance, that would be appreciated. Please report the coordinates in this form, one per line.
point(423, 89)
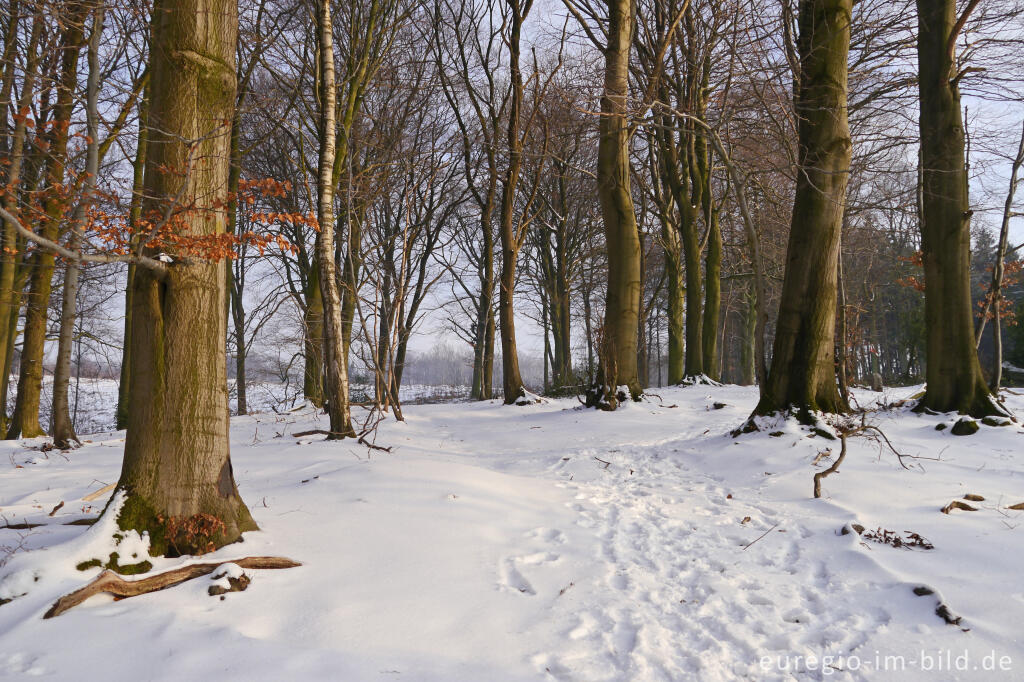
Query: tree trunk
point(995, 297)
point(335, 364)
point(134, 216)
point(313, 339)
point(802, 374)
point(712, 264)
point(748, 353)
point(63, 426)
point(238, 320)
point(512, 382)
point(483, 347)
point(25, 421)
point(953, 373)
point(177, 467)
point(618, 351)
point(10, 296)
point(674, 292)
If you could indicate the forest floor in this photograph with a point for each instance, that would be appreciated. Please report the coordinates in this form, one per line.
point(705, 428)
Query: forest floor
point(549, 542)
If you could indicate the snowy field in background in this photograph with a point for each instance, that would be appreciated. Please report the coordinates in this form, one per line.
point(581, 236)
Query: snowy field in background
point(552, 543)
point(93, 402)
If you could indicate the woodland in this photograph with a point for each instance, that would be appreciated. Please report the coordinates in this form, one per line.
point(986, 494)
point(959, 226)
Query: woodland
point(605, 203)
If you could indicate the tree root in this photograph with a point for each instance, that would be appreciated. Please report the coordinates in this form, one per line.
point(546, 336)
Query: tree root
point(111, 583)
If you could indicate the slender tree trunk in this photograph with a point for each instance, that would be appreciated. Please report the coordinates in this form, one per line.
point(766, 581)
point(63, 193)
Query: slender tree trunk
point(748, 354)
point(995, 297)
point(954, 378)
point(674, 292)
point(512, 382)
point(313, 339)
point(802, 374)
point(841, 349)
point(488, 378)
point(238, 321)
point(10, 295)
point(25, 421)
point(350, 278)
point(712, 264)
point(177, 467)
point(483, 351)
point(63, 426)
point(618, 352)
point(335, 364)
point(134, 216)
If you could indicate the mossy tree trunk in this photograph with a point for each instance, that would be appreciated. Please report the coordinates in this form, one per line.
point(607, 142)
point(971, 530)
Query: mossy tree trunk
point(953, 373)
point(802, 374)
point(177, 467)
point(10, 295)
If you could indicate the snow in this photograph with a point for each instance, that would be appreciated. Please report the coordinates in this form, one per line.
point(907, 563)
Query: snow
point(551, 542)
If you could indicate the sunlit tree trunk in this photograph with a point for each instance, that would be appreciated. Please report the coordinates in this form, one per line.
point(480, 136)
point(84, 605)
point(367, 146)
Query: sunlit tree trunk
point(618, 351)
point(953, 373)
point(177, 466)
point(802, 374)
point(335, 362)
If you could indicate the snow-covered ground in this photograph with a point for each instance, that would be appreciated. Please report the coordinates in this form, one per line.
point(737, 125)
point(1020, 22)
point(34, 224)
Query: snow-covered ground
point(550, 542)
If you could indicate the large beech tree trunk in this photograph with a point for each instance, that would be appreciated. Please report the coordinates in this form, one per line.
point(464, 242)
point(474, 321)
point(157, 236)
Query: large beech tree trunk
point(802, 374)
point(177, 468)
point(618, 351)
point(953, 373)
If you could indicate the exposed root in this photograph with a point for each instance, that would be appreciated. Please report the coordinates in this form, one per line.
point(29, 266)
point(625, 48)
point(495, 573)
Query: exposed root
point(111, 583)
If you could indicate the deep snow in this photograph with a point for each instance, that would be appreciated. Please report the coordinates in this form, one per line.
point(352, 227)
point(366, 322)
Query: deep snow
point(550, 542)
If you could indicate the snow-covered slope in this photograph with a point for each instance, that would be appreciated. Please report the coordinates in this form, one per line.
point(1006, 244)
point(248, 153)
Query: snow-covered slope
point(549, 542)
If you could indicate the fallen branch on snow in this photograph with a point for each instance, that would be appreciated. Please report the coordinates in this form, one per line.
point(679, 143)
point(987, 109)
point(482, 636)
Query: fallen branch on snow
point(111, 583)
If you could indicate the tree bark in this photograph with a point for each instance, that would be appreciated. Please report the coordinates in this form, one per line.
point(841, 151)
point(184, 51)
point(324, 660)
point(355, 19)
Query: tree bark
point(63, 426)
point(335, 362)
point(712, 262)
point(618, 351)
point(512, 381)
point(25, 421)
point(177, 466)
point(953, 373)
point(313, 339)
point(10, 296)
point(802, 374)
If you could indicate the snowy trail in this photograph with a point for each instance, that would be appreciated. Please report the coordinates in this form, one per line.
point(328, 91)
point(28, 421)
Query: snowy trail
point(679, 595)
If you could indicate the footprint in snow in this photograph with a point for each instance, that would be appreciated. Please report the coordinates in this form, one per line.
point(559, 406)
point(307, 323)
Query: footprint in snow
point(512, 579)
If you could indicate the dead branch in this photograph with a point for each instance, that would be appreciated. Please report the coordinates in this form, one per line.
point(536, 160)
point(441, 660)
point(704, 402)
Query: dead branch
point(832, 469)
point(112, 583)
point(759, 537)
